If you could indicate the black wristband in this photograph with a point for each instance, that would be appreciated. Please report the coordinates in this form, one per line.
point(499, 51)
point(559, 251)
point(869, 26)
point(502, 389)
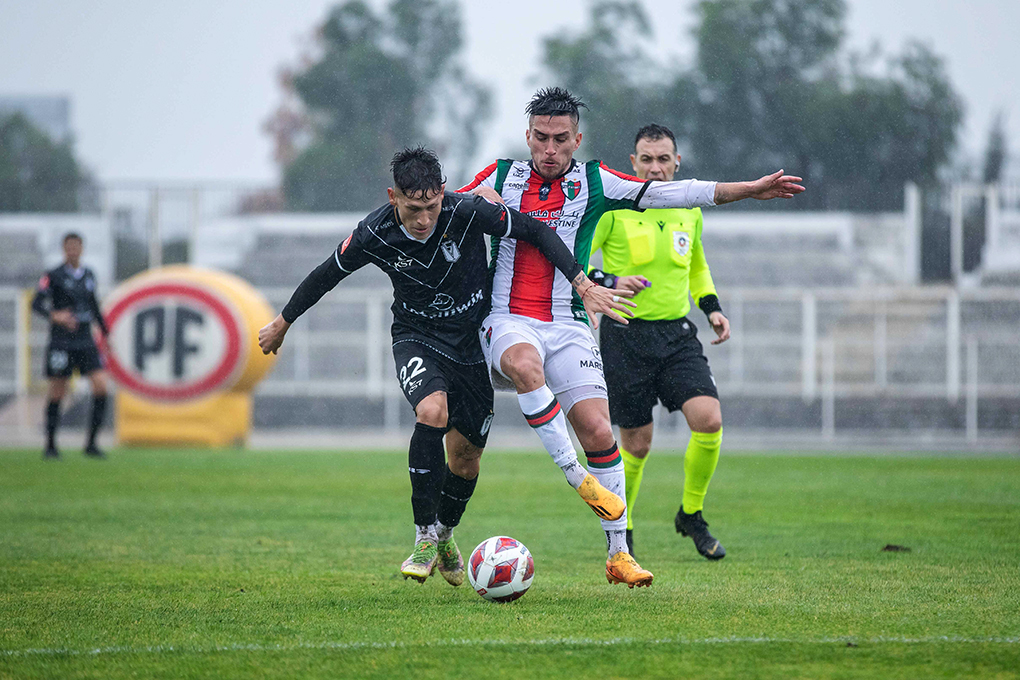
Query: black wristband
point(709, 304)
point(604, 279)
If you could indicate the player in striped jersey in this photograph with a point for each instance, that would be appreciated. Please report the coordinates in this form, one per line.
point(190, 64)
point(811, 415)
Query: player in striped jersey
point(536, 338)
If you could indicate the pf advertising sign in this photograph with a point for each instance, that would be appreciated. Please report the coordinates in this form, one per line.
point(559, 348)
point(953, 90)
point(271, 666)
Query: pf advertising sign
point(181, 347)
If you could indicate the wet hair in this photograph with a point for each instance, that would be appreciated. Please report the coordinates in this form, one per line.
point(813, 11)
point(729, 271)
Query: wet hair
point(71, 236)
point(555, 101)
point(653, 133)
point(417, 172)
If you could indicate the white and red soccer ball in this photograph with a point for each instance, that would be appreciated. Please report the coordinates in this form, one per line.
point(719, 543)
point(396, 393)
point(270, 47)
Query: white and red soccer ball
point(501, 569)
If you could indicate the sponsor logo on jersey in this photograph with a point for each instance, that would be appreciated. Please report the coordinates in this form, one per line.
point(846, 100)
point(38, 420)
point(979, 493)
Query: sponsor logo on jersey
point(347, 242)
point(596, 352)
point(515, 185)
point(591, 363)
point(436, 313)
point(402, 262)
point(681, 242)
point(520, 171)
point(450, 251)
point(442, 302)
point(486, 424)
point(571, 187)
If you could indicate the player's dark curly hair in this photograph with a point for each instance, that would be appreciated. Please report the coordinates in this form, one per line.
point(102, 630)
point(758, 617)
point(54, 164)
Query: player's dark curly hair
point(655, 132)
point(417, 172)
point(555, 101)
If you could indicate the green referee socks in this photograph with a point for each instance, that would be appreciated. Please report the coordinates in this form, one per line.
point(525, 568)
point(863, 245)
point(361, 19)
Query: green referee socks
point(634, 470)
point(699, 464)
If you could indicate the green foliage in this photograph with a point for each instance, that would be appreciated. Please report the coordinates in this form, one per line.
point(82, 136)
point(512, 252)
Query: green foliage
point(380, 82)
point(770, 88)
point(36, 173)
point(226, 564)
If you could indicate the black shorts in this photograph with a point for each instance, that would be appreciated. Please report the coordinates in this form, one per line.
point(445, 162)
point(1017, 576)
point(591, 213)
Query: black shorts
point(62, 360)
point(650, 361)
point(425, 366)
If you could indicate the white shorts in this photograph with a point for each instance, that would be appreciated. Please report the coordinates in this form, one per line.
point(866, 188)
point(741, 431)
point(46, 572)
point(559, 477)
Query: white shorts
point(570, 356)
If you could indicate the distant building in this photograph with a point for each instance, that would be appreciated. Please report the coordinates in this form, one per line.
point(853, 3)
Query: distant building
point(51, 114)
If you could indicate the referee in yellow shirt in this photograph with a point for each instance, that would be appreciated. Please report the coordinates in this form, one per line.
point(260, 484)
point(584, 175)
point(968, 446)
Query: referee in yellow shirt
point(657, 357)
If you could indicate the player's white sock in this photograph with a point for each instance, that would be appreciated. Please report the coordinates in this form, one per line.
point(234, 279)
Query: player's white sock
point(543, 413)
point(607, 467)
point(424, 533)
point(616, 541)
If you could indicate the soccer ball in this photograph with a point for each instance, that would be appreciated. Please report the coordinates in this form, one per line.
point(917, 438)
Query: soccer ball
point(501, 569)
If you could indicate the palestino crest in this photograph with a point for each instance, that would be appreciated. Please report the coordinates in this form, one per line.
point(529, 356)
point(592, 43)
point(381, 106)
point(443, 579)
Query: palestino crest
point(571, 187)
point(681, 242)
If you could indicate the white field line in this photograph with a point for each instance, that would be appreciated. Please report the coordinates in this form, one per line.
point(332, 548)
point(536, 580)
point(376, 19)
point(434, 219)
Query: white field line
point(554, 642)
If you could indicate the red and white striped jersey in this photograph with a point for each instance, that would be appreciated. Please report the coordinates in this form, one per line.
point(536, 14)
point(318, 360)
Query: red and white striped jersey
point(523, 281)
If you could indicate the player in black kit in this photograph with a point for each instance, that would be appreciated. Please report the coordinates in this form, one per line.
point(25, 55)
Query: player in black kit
point(431, 245)
point(67, 297)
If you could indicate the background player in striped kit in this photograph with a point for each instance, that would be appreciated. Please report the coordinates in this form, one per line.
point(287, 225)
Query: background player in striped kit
point(658, 254)
point(431, 245)
point(537, 339)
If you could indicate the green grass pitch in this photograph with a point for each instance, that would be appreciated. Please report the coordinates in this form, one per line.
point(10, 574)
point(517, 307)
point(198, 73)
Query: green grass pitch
point(180, 564)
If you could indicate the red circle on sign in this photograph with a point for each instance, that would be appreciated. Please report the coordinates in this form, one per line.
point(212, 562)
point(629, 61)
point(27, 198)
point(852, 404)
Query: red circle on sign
point(198, 388)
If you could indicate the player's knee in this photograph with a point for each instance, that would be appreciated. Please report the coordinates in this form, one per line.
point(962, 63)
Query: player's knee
point(465, 461)
point(524, 368)
point(432, 412)
point(638, 449)
point(707, 422)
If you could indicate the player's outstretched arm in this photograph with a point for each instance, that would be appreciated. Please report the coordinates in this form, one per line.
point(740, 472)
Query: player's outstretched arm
point(600, 300)
point(776, 185)
point(320, 281)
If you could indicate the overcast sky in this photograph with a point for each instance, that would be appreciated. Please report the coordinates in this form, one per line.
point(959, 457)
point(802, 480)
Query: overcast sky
point(180, 90)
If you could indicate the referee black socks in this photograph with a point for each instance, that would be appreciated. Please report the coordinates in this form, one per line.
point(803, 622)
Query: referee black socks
point(98, 413)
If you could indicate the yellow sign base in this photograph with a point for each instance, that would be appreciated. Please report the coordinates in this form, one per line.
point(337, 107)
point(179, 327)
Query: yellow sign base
point(220, 420)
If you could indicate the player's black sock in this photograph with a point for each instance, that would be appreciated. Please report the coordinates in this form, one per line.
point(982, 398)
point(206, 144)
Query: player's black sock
point(52, 420)
point(98, 412)
point(426, 459)
point(454, 498)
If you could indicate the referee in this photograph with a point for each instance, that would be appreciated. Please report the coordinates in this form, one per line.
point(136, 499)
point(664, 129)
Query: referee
point(658, 254)
point(66, 296)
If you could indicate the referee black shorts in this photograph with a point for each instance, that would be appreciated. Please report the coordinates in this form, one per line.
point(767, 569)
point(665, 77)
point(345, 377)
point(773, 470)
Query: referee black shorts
point(651, 361)
point(425, 366)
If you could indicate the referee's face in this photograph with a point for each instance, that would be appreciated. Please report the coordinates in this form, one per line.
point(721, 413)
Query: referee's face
point(655, 159)
point(418, 213)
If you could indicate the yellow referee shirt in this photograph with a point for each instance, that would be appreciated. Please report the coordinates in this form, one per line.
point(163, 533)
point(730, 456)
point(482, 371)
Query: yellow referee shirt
point(664, 246)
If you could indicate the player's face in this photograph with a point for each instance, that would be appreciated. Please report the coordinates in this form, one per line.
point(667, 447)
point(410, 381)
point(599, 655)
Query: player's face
point(72, 251)
point(553, 141)
point(655, 159)
point(417, 213)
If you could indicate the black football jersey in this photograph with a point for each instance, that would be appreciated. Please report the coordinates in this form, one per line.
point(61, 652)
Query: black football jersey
point(439, 283)
point(64, 288)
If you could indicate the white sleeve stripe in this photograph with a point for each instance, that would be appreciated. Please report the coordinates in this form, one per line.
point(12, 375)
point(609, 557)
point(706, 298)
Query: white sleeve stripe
point(509, 224)
point(336, 256)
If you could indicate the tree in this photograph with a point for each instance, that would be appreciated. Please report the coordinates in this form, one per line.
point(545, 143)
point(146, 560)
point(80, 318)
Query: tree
point(36, 173)
point(770, 88)
point(377, 83)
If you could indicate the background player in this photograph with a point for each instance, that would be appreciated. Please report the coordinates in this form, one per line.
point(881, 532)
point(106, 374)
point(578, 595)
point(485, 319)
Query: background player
point(67, 297)
point(431, 245)
point(658, 254)
point(537, 336)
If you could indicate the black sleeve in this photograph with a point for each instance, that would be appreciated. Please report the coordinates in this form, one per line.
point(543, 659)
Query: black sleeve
point(709, 304)
point(603, 278)
point(42, 303)
point(320, 281)
point(94, 303)
point(545, 239)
